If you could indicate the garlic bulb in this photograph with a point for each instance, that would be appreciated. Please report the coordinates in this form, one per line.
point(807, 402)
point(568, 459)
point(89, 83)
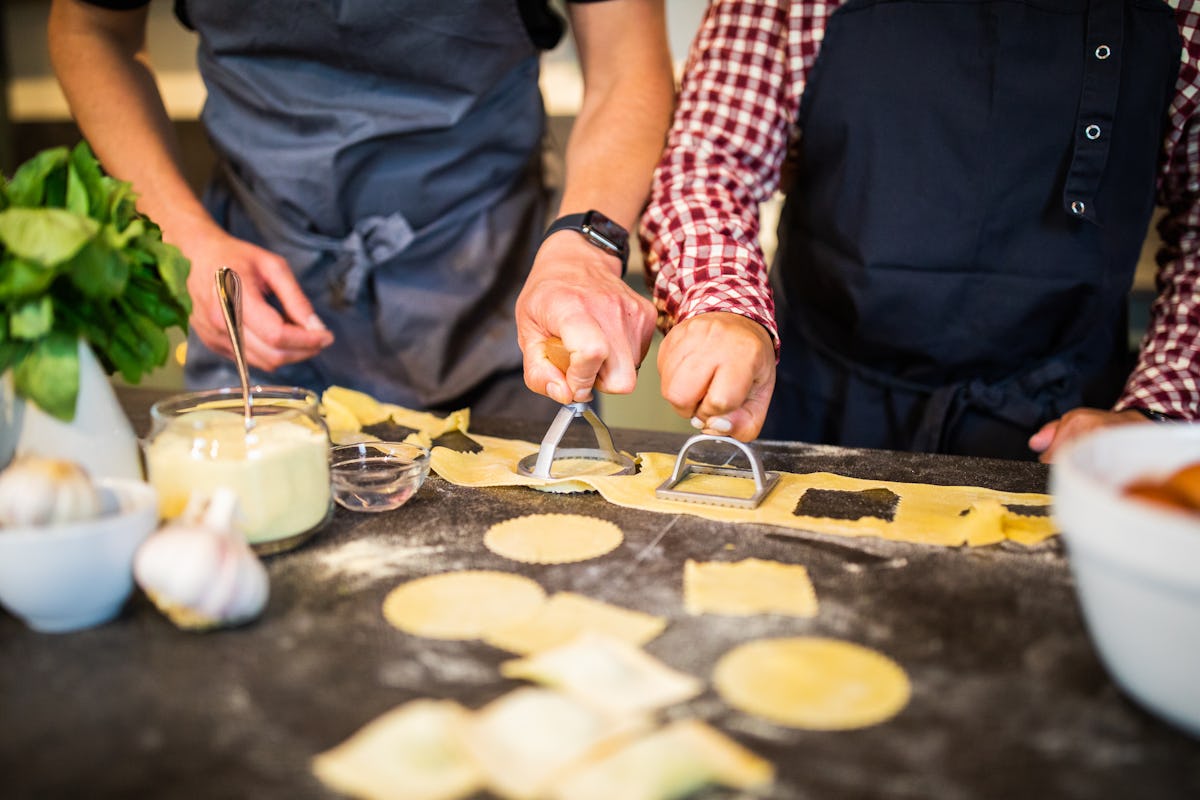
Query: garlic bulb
point(35, 490)
point(199, 570)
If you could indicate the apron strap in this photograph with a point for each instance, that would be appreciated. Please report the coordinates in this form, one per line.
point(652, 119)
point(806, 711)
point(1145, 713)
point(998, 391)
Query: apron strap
point(1024, 400)
point(1097, 107)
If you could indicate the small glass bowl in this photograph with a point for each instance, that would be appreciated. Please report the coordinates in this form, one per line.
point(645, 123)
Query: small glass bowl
point(377, 476)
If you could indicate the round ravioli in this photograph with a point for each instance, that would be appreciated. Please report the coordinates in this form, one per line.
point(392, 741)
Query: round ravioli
point(553, 538)
point(812, 683)
point(574, 468)
point(461, 605)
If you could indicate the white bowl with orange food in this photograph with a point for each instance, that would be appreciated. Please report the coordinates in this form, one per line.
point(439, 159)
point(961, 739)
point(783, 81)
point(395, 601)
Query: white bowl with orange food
point(1128, 502)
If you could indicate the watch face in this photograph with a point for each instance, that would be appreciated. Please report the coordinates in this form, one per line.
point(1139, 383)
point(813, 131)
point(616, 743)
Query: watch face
point(610, 234)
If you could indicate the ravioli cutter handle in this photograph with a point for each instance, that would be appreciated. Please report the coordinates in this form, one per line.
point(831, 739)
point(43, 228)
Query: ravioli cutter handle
point(554, 434)
point(603, 435)
point(756, 467)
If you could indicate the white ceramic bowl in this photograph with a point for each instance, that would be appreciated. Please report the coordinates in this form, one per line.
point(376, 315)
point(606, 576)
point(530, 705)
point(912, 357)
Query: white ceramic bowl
point(1136, 566)
point(76, 575)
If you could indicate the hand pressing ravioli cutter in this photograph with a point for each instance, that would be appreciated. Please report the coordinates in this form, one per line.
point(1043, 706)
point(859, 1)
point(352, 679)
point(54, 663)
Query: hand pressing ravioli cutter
point(764, 481)
point(537, 465)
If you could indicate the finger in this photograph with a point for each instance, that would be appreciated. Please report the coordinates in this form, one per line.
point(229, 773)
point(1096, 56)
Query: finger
point(279, 280)
point(727, 391)
point(1042, 439)
point(545, 364)
point(684, 389)
point(618, 373)
point(745, 422)
point(587, 350)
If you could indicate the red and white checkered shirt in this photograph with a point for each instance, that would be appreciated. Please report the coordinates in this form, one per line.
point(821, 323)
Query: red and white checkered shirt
point(737, 110)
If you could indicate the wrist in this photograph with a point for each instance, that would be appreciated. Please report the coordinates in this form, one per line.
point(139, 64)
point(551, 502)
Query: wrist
point(597, 230)
point(1152, 415)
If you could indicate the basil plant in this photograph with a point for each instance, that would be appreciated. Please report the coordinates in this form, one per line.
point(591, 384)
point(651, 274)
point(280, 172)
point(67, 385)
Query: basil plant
point(77, 260)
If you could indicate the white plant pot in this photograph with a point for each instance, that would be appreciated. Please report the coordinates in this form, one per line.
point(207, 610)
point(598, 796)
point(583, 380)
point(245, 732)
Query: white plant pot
point(100, 437)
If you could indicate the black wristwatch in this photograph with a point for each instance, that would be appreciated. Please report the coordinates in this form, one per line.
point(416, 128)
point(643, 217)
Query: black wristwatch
point(1150, 414)
point(599, 230)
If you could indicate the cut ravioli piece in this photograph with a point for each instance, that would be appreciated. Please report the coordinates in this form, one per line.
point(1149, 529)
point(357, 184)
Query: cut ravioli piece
point(553, 538)
point(672, 762)
point(566, 615)
point(812, 683)
point(526, 739)
point(366, 409)
point(461, 605)
point(607, 674)
point(340, 420)
point(750, 586)
point(413, 752)
point(575, 468)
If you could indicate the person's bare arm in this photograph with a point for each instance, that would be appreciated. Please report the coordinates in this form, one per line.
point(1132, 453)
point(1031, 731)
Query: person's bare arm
point(100, 58)
point(575, 292)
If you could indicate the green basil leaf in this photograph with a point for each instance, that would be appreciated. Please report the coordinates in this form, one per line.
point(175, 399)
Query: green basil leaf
point(98, 272)
point(12, 353)
point(125, 361)
point(28, 184)
point(87, 168)
point(152, 334)
point(174, 268)
point(117, 239)
point(20, 278)
point(46, 235)
point(49, 375)
point(32, 320)
point(77, 194)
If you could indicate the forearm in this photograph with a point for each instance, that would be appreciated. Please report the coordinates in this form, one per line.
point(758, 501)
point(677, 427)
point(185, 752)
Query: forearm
point(628, 96)
point(701, 227)
point(101, 64)
point(1167, 376)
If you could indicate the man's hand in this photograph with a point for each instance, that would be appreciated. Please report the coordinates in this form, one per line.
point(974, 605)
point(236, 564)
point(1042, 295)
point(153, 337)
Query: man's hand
point(574, 294)
point(1075, 423)
point(271, 340)
point(718, 369)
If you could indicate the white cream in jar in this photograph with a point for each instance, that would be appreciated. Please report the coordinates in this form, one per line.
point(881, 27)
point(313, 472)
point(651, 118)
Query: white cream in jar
point(279, 468)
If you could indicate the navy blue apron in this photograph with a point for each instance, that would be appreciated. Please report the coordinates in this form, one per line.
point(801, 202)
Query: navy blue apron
point(973, 184)
point(390, 151)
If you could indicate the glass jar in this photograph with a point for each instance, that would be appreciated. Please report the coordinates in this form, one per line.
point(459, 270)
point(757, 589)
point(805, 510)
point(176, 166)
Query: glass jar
point(278, 466)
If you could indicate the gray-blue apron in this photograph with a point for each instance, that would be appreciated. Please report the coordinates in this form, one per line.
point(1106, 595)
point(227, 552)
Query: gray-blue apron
point(390, 151)
point(973, 185)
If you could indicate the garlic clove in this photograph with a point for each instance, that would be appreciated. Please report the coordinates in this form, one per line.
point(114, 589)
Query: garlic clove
point(36, 490)
point(200, 571)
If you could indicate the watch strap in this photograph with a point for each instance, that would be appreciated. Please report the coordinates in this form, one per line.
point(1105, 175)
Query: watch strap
point(1151, 414)
point(576, 222)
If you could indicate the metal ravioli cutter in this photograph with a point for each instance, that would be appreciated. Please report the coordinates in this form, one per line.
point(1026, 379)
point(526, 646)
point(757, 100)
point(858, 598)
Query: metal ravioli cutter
point(537, 465)
point(764, 481)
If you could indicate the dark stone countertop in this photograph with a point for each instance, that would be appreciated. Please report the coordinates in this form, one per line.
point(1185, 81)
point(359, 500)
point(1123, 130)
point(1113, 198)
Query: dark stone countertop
point(1009, 697)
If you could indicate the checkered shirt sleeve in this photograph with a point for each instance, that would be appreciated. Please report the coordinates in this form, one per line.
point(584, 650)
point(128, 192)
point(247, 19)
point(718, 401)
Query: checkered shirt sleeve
point(737, 108)
point(1167, 376)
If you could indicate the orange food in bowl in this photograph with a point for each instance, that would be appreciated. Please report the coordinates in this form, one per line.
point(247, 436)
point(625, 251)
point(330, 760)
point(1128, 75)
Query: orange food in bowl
point(1180, 490)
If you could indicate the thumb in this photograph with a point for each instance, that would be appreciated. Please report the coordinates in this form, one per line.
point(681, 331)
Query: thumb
point(1042, 439)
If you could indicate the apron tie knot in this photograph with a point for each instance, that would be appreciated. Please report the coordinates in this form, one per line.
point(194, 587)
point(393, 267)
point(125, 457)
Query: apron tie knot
point(374, 241)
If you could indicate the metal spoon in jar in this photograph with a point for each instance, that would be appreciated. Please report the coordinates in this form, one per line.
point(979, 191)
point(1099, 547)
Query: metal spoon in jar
point(229, 290)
